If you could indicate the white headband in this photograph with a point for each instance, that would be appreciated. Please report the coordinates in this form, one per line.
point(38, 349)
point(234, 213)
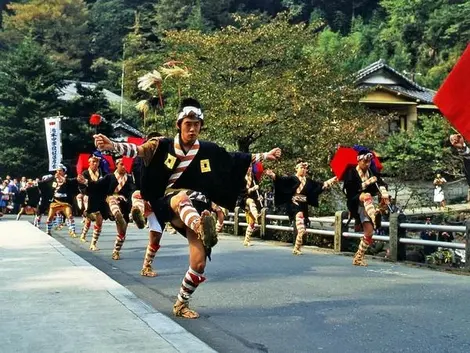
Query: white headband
point(190, 109)
point(365, 156)
point(301, 164)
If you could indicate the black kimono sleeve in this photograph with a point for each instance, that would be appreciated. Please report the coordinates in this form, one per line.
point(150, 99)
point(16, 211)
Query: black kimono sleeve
point(33, 196)
point(100, 186)
point(232, 170)
point(284, 189)
point(314, 189)
point(72, 187)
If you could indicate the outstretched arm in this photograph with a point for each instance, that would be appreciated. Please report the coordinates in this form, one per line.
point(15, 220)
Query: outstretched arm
point(145, 151)
point(329, 183)
point(272, 155)
point(458, 142)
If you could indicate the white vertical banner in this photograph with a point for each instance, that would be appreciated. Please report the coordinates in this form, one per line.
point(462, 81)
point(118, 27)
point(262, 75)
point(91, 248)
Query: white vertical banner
point(54, 144)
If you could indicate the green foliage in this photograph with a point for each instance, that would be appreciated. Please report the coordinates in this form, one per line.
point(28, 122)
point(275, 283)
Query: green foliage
point(441, 257)
point(29, 83)
point(110, 22)
point(59, 26)
point(419, 154)
point(76, 131)
point(261, 87)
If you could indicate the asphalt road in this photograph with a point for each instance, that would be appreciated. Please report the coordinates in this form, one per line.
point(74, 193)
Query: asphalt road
point(264, 299)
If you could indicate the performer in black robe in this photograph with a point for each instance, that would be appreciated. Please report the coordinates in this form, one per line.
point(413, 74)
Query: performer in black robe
point(117, 188)
point(458, 142)
point(297, 192)
point(181, 178)
point(141, 209)
point(95, 206)
point(250, 200)
point(361, 184)
point(28, 198)
point(45, 190)
point(64, 191)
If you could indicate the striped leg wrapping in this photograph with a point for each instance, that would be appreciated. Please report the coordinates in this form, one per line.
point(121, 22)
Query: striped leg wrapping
point(150, 254)
point(138, 202)
point(80, 201)
point(86, 227)
point(191, 281)
point(119, 242)
point(254, 210)
point(71, 224)
point(367, 240)
point(300, 225)
point(113, 205)
point(369, 208)
point(189, 215)
point(85, 202)
point(359, 257)
point(249, 232)
point(96, 234)
point(49, 227)
point(37, 221)
point(56, 221)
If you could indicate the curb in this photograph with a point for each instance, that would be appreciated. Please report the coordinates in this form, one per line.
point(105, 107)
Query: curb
point(178, 337)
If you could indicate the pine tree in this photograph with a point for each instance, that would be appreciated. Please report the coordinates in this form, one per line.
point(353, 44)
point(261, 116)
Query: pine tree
point(29, 83)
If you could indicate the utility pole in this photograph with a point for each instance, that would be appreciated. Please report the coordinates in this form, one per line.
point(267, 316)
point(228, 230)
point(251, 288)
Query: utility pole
point(122, 77)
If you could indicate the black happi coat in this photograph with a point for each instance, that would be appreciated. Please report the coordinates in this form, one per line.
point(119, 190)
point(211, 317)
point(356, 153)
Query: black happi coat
point(28, 197)
point(96, 200)
point(69, 190)
point(45, 190)
point(137, 165)
point(106, 186)
point(353, 188)
point(214, 172)
point(20, 197)
point(285, 188)
point(33, 196)
point(466, 169)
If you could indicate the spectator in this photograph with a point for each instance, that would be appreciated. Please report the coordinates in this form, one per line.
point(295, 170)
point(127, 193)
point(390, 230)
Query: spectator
point(5, 196)
point(439, 196)
point(428, 235)
point(14, 191)
point(445, 236)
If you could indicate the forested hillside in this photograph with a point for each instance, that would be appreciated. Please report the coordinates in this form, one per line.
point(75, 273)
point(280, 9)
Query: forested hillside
point(266, 70)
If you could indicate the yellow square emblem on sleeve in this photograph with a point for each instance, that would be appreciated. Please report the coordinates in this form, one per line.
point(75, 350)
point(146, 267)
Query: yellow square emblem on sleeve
point(170, 161)
point(54, 184)
point(205, 166)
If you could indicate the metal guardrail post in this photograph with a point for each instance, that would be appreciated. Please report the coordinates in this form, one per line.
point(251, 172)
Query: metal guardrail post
point(393, 234)
point(262, 216)
point(401, 249)
point(467, 245)
point(236, 220)
point(340, 228)
point(397, 249)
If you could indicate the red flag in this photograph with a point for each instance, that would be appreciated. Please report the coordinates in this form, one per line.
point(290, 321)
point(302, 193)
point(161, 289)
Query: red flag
point(127, 161)
point(452, 97)
point(137, 140)
point(346, 157)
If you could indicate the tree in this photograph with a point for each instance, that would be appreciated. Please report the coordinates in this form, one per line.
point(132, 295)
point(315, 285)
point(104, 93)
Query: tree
point(76, 131)
point(29, 83)
point(260, 86)
point(59, 26)
point(423, 149)
point(110, 22)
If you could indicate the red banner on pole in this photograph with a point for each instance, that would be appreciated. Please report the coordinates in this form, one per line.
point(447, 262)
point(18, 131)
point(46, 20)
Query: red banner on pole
point(453, 95)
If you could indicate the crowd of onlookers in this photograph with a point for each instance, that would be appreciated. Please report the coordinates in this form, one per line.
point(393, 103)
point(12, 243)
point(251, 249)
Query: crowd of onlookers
point(10, 189)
